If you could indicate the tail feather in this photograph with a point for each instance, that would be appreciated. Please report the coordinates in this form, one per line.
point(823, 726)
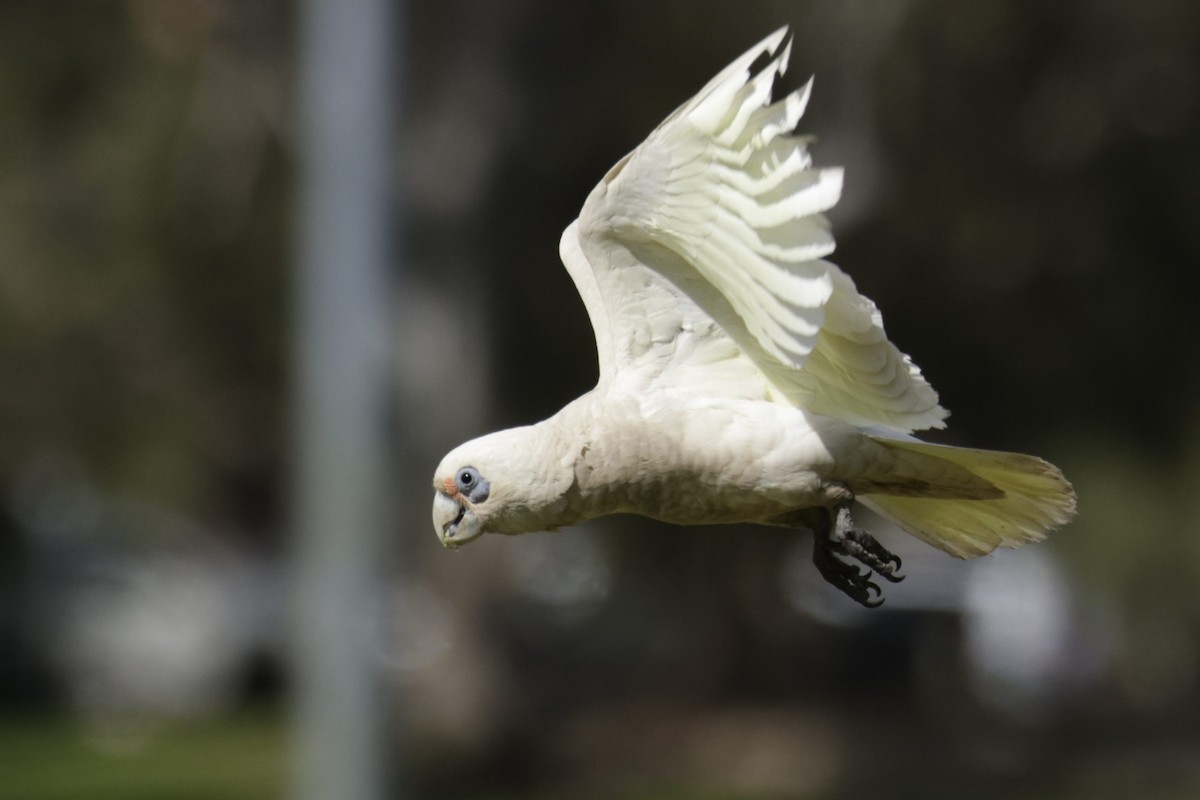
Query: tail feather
point(1035, 498)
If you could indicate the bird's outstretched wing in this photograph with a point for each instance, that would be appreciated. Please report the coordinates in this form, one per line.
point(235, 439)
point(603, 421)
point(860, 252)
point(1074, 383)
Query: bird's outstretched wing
point(700, 258)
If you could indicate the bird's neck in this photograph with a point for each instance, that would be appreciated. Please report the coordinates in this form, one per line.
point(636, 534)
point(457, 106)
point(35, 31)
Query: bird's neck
point(565, 444)
point(593, 452)
point(545, 456)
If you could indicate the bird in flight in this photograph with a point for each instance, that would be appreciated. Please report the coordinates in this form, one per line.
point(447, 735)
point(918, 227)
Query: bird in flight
point(743, 378)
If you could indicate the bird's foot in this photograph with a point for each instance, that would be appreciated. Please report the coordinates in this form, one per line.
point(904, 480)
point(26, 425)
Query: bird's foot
point(839, 536)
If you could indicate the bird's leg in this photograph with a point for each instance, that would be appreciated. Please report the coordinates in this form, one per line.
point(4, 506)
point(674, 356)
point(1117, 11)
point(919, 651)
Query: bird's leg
point(836, 535)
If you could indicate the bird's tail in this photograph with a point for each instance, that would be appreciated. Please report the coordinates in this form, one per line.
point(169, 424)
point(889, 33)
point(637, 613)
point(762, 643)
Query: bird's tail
point(1029, 499)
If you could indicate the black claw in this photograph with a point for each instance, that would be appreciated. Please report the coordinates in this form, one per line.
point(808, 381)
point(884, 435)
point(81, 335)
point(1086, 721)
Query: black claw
point(861, 592)
point(891, 570)
point(887, 566)
point(839, 536)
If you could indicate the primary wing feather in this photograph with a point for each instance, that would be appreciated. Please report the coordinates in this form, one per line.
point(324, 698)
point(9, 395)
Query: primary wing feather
point(713, 230)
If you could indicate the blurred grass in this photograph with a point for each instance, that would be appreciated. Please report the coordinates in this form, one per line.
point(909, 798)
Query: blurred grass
point(44, 757)
point(57, 757)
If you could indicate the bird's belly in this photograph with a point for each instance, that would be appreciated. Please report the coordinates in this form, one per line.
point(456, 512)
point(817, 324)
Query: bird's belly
point(722, 463)
point(722, 508)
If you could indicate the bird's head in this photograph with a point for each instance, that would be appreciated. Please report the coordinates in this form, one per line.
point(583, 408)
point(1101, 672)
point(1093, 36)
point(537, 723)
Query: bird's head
point(505, 482)
point(459, 513)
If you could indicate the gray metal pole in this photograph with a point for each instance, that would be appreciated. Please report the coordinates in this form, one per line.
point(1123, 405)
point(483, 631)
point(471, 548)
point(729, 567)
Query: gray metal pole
point(339, 504)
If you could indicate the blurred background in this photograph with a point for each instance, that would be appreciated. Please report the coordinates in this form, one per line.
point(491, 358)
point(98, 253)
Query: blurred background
point(1022, 201)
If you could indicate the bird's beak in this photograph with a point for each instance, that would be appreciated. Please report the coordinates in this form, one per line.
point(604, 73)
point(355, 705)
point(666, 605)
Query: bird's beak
point(453, 521)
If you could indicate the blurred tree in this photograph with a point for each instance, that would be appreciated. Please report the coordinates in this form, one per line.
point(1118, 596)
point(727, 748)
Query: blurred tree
point(142, 293)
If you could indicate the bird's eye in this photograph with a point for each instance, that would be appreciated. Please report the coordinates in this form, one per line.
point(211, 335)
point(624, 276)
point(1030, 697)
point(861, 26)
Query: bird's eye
point(467, 478)
point(472, 485)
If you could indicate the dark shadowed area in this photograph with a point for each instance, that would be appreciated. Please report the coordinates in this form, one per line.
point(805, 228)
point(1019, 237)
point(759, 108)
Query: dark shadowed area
point(1022, 201)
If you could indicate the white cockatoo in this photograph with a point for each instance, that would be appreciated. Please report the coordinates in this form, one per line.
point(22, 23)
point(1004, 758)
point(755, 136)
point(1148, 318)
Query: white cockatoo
point(743, 378)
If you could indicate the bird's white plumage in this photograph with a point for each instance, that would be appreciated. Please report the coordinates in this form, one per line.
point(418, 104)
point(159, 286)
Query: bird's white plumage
point(719, 213)
point(743, 378)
